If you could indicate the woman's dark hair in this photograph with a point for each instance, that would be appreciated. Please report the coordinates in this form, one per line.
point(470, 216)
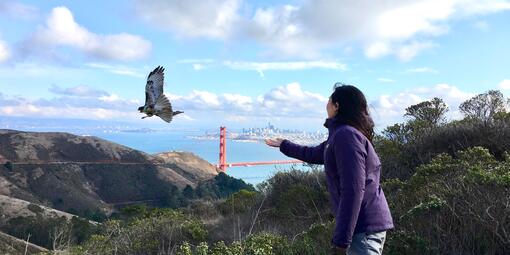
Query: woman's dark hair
point(353, 109)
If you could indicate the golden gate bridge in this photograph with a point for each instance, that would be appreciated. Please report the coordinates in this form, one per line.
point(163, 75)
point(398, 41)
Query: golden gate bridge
point(223, 165)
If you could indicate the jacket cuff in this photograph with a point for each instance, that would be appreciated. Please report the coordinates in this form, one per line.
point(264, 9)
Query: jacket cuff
point(283, 146)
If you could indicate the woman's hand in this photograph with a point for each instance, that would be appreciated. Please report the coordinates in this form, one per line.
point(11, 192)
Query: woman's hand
point(274, 142)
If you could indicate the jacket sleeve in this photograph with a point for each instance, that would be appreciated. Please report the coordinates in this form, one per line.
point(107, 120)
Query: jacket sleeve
point(308, 154)
point(350, 153)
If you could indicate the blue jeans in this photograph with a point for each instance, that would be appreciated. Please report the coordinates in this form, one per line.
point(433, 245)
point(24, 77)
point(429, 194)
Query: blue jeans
point(367, 244)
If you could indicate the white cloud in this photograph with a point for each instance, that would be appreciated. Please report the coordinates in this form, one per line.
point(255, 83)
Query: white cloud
point(207, 101)
point(409, 51)
point(291, 100)
point(389, 109)
point(74, 97)
point(61, 29)
point(408, 19)
point(261, 67)
point(198, 18)
point(66, 112)
point(388, 27)
point(386, 80)
point(504, 85)
point(110, 98)
point(284, 101)
point(197, 64)
point(109, 102)
point(449, 93)
point(197, 100)
point(421, 70)
point(377, 49)
point(402, 28)
point(279, 28)
point(17, 10)
point(70, 107)
point(79, 91)
point(4, 51)
point(198, 67)
point(118, 69)
point(236, 101)
point(404, 52)
point(288, 104)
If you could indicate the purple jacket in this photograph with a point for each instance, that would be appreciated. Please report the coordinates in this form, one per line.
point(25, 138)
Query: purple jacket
point(353, 171)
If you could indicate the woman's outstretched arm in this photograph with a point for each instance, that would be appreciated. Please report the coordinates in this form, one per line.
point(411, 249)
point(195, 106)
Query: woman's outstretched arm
point(308, 154)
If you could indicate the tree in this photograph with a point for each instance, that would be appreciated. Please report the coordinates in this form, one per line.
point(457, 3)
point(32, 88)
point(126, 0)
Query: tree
point(484, 106)
point(399, 133)
point(431, 112)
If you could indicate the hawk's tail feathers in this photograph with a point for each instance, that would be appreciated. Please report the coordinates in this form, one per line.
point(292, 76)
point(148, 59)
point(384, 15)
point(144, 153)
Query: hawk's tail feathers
point(166, 116)
point(163, 108)
point(162, 103)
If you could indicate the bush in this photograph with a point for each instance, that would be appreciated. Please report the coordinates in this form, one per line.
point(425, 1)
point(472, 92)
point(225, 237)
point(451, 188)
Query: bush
point(160, 231)
point(240, 202)
point(459, 198)
point(38, 228)
point(298, 196)
point(221, 186)
point(35, 208)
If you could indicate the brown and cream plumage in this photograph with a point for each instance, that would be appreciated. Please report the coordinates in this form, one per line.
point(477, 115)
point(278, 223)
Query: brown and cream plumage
point(156, 103)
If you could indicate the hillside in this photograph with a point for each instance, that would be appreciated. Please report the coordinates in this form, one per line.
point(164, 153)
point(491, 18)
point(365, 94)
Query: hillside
point(10, 245)
point(85, 175)
point(12, 207)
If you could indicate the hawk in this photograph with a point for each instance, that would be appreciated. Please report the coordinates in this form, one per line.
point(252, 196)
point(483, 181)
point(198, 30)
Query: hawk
point(156, 103)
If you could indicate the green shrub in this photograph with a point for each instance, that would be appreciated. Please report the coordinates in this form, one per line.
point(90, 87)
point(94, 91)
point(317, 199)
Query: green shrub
point(265, 244)
point(240, 201)
point(160, 230)
point(455, 197)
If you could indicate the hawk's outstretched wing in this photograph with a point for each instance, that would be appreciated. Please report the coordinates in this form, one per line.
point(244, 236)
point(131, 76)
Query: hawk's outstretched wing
point(154, 87)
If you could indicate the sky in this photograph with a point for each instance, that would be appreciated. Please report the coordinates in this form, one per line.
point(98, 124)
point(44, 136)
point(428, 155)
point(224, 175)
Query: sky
point(243, 63)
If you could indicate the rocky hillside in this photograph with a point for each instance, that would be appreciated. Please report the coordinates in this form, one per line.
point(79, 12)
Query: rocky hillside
point(10, 245)
point(13, 207)
point(85, 174)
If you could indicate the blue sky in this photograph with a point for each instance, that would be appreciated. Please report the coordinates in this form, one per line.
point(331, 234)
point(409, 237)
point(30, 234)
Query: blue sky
point(244, 63)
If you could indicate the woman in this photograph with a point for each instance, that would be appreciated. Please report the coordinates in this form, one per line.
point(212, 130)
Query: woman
point(353, 171)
